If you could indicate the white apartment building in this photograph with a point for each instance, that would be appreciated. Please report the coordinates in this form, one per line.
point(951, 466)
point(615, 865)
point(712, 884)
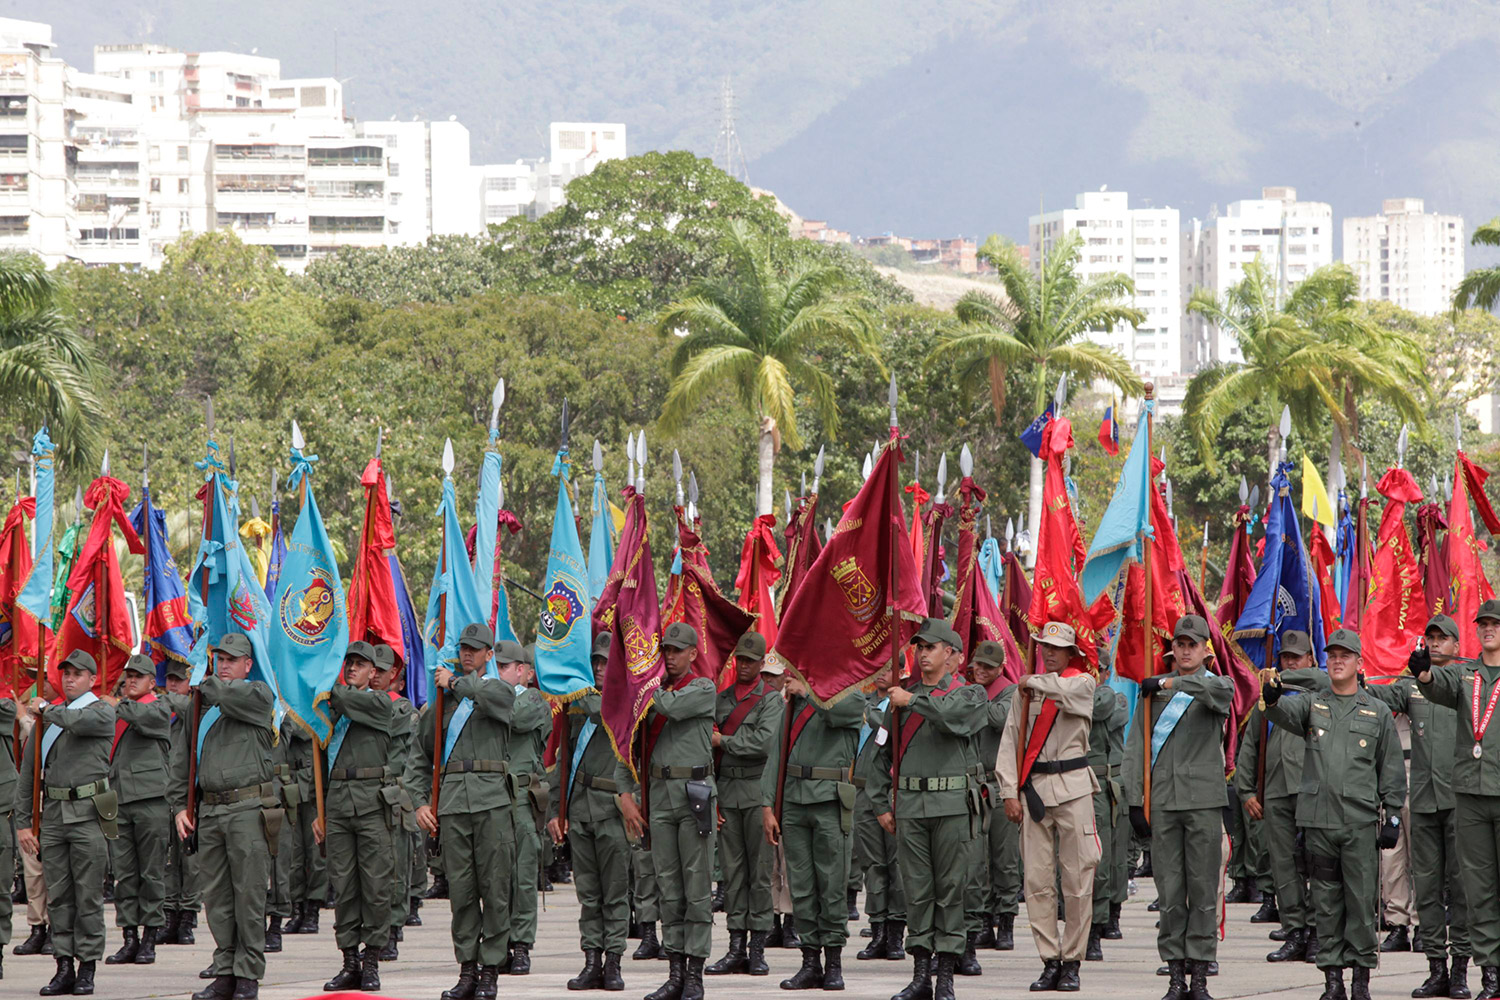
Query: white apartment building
point(1141, 243)
point(535, 187)
point(1290, 238)
point(1406, 256)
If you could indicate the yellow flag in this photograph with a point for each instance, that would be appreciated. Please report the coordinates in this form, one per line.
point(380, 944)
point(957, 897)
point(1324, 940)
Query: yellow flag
point(1313, 492)
point(255, 532)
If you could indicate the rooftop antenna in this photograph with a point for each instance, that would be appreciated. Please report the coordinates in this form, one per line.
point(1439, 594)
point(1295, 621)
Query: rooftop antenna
point(729, 156)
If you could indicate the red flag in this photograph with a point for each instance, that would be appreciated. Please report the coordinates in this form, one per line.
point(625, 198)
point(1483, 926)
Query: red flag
point(628, 611)
point(373, 613)
point(97, 620)
point(1167, 567)
point(1109, 432)
point(1321, 554)
point(1230, 661)
point(1239, 577)
point(837, 630)
point(1468, 587)
point(1393, 615)
point(802, 548)
point(919, 497)
point(933, 575)
point(976, 615)
point(1015, 596)
point(1432, 558)
point(1359, 571)
point(19, 637)
point(699, 602)
point(758, 574)
point(1055, 594)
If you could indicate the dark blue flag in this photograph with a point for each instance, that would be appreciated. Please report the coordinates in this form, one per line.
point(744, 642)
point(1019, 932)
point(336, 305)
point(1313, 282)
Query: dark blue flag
point(1031, 437)
point(169, 630)
point(1284, 596)
point(414, 653)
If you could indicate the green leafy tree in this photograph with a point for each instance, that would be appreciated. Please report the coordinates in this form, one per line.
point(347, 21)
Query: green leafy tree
point(444, 269)
point(1480, 288)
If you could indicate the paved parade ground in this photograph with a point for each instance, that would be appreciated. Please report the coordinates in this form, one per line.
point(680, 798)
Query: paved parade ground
point(426, 967)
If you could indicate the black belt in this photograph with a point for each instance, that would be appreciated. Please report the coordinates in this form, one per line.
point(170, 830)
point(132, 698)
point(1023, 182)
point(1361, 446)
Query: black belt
point(695, 773)
point(1059, 766)
point(356, 773)
point(602, 784)
point(742, 772)
point(815, 773)
point(264, 790)
point(475, 767)
point(860, 782)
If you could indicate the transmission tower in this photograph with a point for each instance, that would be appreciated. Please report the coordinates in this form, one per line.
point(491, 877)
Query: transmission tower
point(729, 156)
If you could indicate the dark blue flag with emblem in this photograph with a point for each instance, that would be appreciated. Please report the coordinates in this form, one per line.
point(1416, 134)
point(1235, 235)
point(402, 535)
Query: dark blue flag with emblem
point(1283, 598)
point(169, 630)
point(1031, 437)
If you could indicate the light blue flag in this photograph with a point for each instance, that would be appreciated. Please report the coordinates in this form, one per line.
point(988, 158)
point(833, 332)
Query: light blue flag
point(486, 521)
point(311, 630)
point(564, 637)
point(454, 580)
point(601, 538)
point(35, 596)
point(1126, 521)
point(992, 566)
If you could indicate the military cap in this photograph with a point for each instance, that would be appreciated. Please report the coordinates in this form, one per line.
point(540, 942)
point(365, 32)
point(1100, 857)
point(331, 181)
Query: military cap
point(234, 643)
point(1443, 624)
point(752, 646)
point(1191, 627)
point(1295, 643)
point(82, 660)
point(989, 653)
point(530, 652)
point(773, 665)
point(1489, 609)
point(140, 663)
point(509, 651)
point(680, 635)
point(601, 646)
point(1344, 638)
point(178, 670)
point(385, 656)
point(1059, 634)
point(477, 636)
point(936, 630)
point(361, 649)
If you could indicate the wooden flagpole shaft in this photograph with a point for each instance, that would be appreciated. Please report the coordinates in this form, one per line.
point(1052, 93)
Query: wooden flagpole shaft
point(1203, 567)
point(893, 584)
point(1150, 636)
point(1265, 734)
point(196, 715)
point(437, 703)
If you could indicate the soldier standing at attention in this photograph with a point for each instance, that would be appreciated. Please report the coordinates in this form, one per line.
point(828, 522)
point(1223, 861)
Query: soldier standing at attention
point(307, 867)
point(884, 902)
point(362, 808)
point(1048, 728)
point(529, 722)
point(678, 762)
point(936, 812)
point(387, 680)
point(138, 774)
point(477, 825)
point(181, 893)
point(238, 818)
point(1185, 715)
point(78, 814)
point(1351, 769)
point(284, 915)
point(746, 721)
point(996, 875)
point(1472, 687)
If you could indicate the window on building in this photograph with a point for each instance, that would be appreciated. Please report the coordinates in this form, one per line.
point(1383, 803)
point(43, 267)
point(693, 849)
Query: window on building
point(393, 227)
point(570, 139)
point(346, 223)
point(156, 103)
point(609, 136)
point(314, 97)
point(156, 185)
point(182, 154)
point(155, 217)
point(182, 185)
point(184, 220)
point(345, 156)
point(395, 198)
point(155, 154)
point(500, 184)
point(392, 168)
point(14, 225)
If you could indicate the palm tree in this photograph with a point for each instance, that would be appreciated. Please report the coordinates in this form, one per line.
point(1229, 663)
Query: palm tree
point(758, 329)
point(46, 371)
point(1480, 288)
point(1315, 353)
point(1043, 324)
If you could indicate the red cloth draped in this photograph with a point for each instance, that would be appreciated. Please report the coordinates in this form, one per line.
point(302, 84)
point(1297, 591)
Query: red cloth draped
point(693, 597)
point(1468, 587)
point(19, 635)
point(1239, 577)
point(1394, 615)
point(95, 582)
point(1432, 557)
point(1060, 553)
point(1358, 596)
point(1321, 555)
point(802, 548)
point(758, 573)
point(976, 615)
point(933, 575)
point(1167, 566)
point(374, 616)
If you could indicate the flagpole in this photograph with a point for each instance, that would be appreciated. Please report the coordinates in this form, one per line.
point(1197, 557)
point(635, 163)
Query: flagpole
point(893, 583)
point(197, 711)
point(298, 442)
point(437, 706)
point(1146, 625)
point(565, 740)
point(1203, 566)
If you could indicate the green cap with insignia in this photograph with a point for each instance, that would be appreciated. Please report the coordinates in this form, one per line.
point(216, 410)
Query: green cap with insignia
point(361, 649)
point(680, 635)
point(1295, 643)
point(936, 630)
point(601, 647)
point(477, 636)
point(752, 646)
point(82, 660)
point(233, 643)
point(1443, 624)
point(989, 653)
point(385, 656)
point(509, 651)
point(140, 663)
point(1343, 638)
point(1191, 627)
point(1489, 609)
point(178, 670)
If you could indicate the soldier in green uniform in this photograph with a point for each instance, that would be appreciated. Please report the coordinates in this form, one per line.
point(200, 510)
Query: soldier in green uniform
point(645, 901)
point(1433, 834)
point(474, 808)
point(679, 808)
point(745, 718)
point(8, 775)
point(239, 817)
point(531, 720)
point(817, 814)
point(1352, 769)
point(387, 680)
point(995, 874)
point(308, 866)
point(1106, 805)
point(138, 774)
point(78, 813)
point(1116, 862)
point(1184, 724)
point(181, 892)
point(286, 915)
point(596, 834)
point(1472, 687)
point(1275, 808)
point(936, 811)
point(362, 806)
point(884, 902)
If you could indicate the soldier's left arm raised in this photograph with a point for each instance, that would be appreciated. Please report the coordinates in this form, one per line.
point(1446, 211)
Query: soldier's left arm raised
point(963, 711)
point(152, 719)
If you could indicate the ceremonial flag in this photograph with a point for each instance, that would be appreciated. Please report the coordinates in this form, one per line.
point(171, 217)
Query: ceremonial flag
point(1126, 522)
point(1344, 550)
point(695, 598)
point(1229, 661)
point(312, 619)
point(1239, 576)
point(564, 637)
point(802, 548)
point(1059, 548)
point(67, 554)
point(1167, 569)
point(758, 574)
point(1468, 586)
point(98, 619)
point(628, 611)
point(837, 631)
point(169, 630)
point(1315, 503)
point(935, 571)
point(976, 615)
point(1321, 555)
point(271, 582)
point(19, 634)
point(1394, 615)
point(256, 533)
point(413, 651)
point(374, 613)
point(452, 600)
point(1432, 558)
point(992, 565)
point(1109, 432)
point(601, 537)
point(1360, 570)
point(35, 598)
point(1282, 597)
point(1015, 597)
point(489, 571)
point(1031, 437)
point(919, 497)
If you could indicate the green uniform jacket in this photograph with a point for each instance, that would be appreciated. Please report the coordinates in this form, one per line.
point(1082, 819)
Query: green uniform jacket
point(237, 750)
point(864, 760)
point(1189, 772)
point(987, 745)
point(589, 804)
point(8, 773)
point(941, 748)
point(1434, 731)
point(1285, 750)
point(743, 754)
point(403, 728)
point(684, 741)
point(1105, 703)
point(531, 721)
point(181, 706)
point(1119, 721)
point(1352, 764)
point(80, 755)
point(829, 740)
point(138, 769)
point(366, 746)
point(1452, 686)
point(486, 737)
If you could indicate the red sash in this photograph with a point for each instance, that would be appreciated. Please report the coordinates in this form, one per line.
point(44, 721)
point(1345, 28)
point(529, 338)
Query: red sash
point(121, 724)
point(914, 720)
point(1042, 729)
point(799, 723)
point(737, 717)
point(659, 721)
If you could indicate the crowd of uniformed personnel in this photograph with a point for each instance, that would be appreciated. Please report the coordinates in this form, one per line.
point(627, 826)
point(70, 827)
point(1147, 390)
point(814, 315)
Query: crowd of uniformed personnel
point(949, 796)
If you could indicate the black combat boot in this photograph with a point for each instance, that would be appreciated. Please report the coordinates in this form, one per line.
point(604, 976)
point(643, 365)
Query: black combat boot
point(185, 927)
point(1095, 951)
point(773, 939)
point(1398, 939)
point(294, 925)
point(895, 940)
point(1177, 988)
point(1047, 981)
point(1436, 984)
point(1489, 982)
point(1310, 953)
point(735, 961)
point(1067, 979)
point(592, 976)
point(62, 980)
point(146, 953)
point(130, 945)
point(672, 988)
point(438, 889)
point(853, 899)
point(83, 983)
point(392, 950)
point(222, 988)
point(968, 965)
point(207, 972)
point(347, 978)
point(310, 918)
point(273, 936)
point(245, 989)
point(920, 987)
point(1239, 892)
point(789, 936)
point(33, 943)
point(1112, 928)
point(413, 918)
point(692, 978)
point(369, 971)
point(486, 985)
point(1293, 949)
point(167, 933)
point(810, 976)
point(520, 960)
point(611, 979)
point(1268, 913)
point(942, 984)
point(717, 899)
point(986, 937)
point(833, 968)
point(876, 947)
point(649, 946)
point(1333, 984)
point(1416, 938)
point(1359, 984)
point(464, 988)
point(1198, 981)
point(1458, 978)
point(755, 959)
point(1005, 932)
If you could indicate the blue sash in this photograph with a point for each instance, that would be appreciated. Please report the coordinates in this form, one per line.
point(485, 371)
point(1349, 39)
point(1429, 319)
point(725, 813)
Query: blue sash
point(1167, 721)
point(340, 730)
point(865, 729)
point(54, 731)
point(584, 735)
point(462, 712)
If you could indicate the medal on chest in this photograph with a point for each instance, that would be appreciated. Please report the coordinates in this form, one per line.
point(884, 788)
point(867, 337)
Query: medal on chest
point(1480, 725)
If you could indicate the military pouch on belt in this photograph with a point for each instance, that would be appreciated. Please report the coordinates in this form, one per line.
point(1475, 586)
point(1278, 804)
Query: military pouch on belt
point(700, 796)
point(271, 819)
point(540, 796)
point(107, 803)
point(847, 793)
point(391, 796)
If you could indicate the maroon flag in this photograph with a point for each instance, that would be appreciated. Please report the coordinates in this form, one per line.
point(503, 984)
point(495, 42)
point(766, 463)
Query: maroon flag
point(933, 569)
point(373, 613)
point(837, 630)
point(1432, 556)
point(1469, 587)
point(1239, 577)
point(1167, 568)
point(976, 615)
point(1395, 607)
point(1056, 595)
point(1231, 662)
point(693, 597)
point(19, 635)
point(758, 574)
point(1015, 596)
point(802, 548)
point(1359, 571)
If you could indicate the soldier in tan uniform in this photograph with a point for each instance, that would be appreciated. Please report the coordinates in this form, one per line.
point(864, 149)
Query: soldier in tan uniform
point(1048, 727)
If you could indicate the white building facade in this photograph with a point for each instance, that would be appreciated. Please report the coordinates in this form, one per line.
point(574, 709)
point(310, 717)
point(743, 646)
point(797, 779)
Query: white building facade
point(1406, 255)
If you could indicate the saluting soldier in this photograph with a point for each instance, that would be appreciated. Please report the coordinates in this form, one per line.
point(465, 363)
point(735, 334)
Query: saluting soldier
point(78, 814)
point(745, 717)
point(1472, 688)
point(361, 810)
point(474, 807)
point(181, 892)
point(1352, 768)
point(138, 774)
point(680, 809)
point(239, 816)
point(1185, 715)
point(387, 680)
point(529, 725)
point(936, 811)
point(996, 876)
point(884, 902)
point(1048, 728)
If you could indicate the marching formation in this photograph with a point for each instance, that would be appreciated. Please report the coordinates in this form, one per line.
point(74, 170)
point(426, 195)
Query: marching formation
point(954, 740)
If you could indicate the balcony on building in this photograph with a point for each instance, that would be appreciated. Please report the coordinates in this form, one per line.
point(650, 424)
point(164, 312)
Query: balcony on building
point(260, 152)
point(107, 175)
point(357, 158)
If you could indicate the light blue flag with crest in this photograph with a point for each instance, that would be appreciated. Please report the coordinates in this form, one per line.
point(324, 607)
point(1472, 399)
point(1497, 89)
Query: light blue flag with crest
point(311, 630)
point(453, 586)
point(601, 538)
point(564, 637)
point(1126, 521)
point(35, 596)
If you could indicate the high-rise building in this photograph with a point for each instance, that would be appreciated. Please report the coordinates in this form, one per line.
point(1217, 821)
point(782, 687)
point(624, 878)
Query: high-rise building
point(535, 187)
point(1141, 243)
point(1406, 256)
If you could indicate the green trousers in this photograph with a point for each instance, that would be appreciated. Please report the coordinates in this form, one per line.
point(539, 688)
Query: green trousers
point(1435, 867)
point(416, 841)
point(74, 857)
point(1120, 855)
point(934, 856)
point(307, 868)
point(479, 851)
point(1279, 827)
point(877, 852)
point(976, 884)
point(523, 882)
point(643, 889)
point(288, 852)
point(362, 868)
point(138, 857)
point(683, 861)
point(1346, 906)
point(1247, 850)
point(856, 866)
point(180, 876)
point(745, 858)
point(1187, 854)
point(1104, 827)
point(817, 871)
point(401, 892)
point(601, 878)
point(7, 864)
point(1479, 860)
point(234, 867)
